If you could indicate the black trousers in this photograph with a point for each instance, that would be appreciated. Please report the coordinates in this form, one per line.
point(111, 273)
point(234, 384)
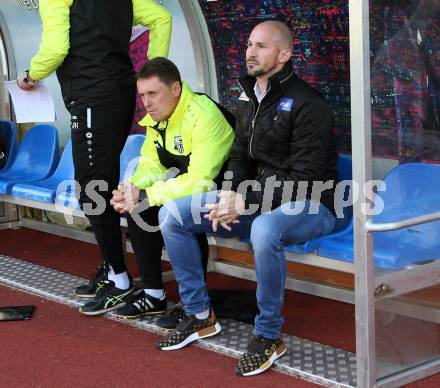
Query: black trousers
point(148, 246)
point(97, 142)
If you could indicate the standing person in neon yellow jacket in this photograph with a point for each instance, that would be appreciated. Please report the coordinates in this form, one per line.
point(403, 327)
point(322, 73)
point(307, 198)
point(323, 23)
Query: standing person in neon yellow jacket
point(87, 43)
point(186, 133)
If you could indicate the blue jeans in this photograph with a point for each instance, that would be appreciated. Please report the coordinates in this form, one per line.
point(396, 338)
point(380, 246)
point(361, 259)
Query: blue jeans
point(269, 232)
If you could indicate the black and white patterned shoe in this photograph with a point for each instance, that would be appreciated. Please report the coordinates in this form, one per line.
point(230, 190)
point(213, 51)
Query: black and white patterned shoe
point(141, 304)
point(188, 330)
point(260, 355)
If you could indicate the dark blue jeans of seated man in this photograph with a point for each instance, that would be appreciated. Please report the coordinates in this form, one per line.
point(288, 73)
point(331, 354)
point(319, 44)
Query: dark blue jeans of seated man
point(182, 219)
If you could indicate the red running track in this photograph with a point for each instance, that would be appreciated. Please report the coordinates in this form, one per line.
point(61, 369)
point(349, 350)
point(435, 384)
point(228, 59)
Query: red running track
point(60, 347)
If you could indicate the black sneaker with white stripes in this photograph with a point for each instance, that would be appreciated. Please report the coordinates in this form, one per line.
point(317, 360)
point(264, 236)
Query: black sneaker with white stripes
point(261, 354)
point(141, 304)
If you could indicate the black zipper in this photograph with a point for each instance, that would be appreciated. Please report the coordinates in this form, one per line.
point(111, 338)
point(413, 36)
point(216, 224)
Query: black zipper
point(254, 114)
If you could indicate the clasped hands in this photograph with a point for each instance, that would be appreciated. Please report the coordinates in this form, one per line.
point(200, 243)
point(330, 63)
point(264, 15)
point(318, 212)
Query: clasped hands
point(125, 198)
point(227, 211)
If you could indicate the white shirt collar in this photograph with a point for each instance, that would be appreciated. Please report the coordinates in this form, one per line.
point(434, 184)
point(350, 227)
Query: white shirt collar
point(258, 93)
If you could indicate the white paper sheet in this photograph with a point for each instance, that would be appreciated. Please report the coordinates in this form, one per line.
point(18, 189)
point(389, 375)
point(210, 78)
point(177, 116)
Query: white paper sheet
point(32, 106)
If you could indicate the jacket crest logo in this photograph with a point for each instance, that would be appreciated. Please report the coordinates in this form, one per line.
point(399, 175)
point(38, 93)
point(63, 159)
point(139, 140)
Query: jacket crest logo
point(243, 97)
point(178, 144)
point(286, 104)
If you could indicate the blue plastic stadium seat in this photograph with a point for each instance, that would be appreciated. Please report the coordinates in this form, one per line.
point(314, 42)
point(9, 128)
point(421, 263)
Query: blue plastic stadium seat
point(130, 156)
point(411, 190)
point(36, 158)
point(67, 198)
point(344, 224)
point(45, 190)
point(128, 161)
point(9, 132)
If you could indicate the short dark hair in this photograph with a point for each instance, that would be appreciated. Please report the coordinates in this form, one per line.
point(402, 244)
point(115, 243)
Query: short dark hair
point(162, 68)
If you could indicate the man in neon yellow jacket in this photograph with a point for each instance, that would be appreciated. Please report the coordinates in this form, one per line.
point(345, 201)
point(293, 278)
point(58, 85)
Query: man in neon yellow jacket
point(186, 133)
point(55, 39)
point(87, 43)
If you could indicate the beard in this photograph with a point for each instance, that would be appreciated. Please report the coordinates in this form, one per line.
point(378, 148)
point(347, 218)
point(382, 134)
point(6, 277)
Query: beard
point(254, 72)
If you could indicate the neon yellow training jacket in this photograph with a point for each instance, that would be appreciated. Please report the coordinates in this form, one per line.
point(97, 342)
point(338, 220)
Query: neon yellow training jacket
point(55, 17)
point(205, 134)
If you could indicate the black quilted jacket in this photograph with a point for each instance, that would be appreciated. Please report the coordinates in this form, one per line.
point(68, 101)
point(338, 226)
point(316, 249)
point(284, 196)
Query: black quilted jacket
point(288, 137)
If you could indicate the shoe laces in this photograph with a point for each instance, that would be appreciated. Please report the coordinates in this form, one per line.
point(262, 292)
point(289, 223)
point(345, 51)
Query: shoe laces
point(105, 291)
point(135, 297)
point(99, 274)
point(178, 311)
point(258, 344)
point(185, 323)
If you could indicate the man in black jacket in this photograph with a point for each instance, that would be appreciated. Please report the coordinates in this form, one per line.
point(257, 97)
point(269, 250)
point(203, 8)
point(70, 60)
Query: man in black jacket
point(284, 168)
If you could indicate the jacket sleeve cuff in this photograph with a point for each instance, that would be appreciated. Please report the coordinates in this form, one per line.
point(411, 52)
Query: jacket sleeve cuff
point(140, 181)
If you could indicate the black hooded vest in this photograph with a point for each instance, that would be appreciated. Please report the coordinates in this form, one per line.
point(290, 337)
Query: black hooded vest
point(98, 66)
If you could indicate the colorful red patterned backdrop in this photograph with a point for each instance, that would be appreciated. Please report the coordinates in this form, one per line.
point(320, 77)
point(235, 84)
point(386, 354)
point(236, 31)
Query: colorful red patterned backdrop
point(405, 61)
point(138, 54)
point(405, 64)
